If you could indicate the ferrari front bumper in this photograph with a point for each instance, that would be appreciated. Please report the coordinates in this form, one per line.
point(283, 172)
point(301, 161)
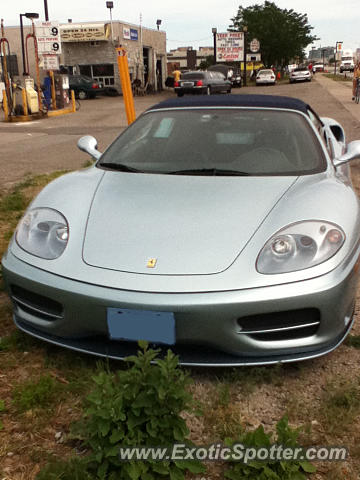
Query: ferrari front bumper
point(280, 323)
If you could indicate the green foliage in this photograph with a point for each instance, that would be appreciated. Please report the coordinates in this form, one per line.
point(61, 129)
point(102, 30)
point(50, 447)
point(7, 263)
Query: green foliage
point(353, 341)
point(283, 33)
point(270, 469)
point(140, 406)
point(205, 64)
point(340, 405)
point(38, 394)
point(13, 202)
point(18, 340)
point(74, 469)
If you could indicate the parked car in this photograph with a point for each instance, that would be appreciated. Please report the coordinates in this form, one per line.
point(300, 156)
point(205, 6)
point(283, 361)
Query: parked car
point(231, 73)
point(200, 82)
point(265, 77)
point(318, 67)
point(223, 227)
point(85, 87)
point(300, 74)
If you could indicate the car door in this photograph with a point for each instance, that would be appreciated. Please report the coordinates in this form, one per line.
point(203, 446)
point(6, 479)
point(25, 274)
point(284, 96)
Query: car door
point(223, 82)
point(211, 81)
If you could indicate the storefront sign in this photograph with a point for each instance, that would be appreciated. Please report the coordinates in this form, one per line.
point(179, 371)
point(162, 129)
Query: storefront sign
point(253, 57)
point(84, 33)
point(133, 34)
point(230, 47)
point(254, 45)
point(130, 34)
point(48, 38)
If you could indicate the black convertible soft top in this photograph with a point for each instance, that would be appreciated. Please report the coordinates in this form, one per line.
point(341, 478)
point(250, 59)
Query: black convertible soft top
point(265, 101)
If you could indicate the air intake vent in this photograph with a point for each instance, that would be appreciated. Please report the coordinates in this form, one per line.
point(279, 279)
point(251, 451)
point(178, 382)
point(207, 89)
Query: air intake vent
point(286, 325)
point(35, 304)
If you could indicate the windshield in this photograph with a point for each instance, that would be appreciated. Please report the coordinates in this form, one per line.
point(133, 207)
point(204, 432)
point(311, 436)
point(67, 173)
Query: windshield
point(217, 142)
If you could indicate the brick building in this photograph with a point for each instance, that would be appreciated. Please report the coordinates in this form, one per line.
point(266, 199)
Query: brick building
point(186, 58)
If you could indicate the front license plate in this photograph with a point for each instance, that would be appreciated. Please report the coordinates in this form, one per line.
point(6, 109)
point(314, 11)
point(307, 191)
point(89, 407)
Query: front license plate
point(128, 324)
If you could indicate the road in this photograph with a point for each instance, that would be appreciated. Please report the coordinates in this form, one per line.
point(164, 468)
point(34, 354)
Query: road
point(50, 144)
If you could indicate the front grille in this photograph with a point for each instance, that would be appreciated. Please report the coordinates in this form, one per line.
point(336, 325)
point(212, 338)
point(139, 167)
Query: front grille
point(35, 304)
point(288, 325)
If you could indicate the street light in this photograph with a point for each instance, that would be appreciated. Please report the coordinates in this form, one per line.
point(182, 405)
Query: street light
point(158, 23)
point(214, 32)
point(30, 16)
point(336, 49)
point(110, 6)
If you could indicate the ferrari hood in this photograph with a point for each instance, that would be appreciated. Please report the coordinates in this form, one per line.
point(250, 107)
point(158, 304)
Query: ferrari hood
point(175, 224)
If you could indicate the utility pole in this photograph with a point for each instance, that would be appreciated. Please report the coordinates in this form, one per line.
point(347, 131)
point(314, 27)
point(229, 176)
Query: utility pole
point(214, 32)
point(46, 10)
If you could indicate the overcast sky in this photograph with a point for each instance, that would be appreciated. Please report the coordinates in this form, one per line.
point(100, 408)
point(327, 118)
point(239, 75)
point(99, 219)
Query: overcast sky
point(189, 22)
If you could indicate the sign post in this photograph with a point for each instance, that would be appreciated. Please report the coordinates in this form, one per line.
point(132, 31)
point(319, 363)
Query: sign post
point(49, 44)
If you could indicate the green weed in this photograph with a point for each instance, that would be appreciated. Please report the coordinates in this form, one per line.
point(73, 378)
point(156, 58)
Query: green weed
point(353, 341)
point(36, 394)
point(340, 405)
point(269, 469)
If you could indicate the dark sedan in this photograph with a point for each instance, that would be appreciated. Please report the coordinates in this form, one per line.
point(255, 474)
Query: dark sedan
point(84, 86)
point(204, 83)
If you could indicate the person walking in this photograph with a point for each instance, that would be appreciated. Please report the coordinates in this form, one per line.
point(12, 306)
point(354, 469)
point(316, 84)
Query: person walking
point(176, 74)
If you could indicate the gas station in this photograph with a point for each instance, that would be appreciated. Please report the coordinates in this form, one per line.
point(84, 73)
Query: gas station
point(30, 100)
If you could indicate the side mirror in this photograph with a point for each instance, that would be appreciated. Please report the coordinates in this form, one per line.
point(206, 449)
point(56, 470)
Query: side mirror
point(88, 144)
point(352, 152)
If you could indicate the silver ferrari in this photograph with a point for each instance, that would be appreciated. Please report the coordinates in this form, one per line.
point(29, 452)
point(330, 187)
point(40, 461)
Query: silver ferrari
point(223, 227)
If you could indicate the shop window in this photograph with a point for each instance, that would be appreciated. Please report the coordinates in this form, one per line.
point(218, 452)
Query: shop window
point(85, 70)
point(103, 70)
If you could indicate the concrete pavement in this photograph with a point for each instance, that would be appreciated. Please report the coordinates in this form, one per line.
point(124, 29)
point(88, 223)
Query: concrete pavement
point(341, 91)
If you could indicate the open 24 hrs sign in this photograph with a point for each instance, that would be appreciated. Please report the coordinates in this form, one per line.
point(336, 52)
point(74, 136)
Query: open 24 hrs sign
point(48, 37)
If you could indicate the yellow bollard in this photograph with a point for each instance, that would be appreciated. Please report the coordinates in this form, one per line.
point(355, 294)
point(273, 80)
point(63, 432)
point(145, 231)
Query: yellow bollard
point(24, 100)
point(125, 84)
point(6, 107)
point(73, 101)
point(53, 93)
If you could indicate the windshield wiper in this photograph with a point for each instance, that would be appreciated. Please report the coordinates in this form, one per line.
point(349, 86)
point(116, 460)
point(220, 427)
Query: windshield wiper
point(210, 171)
point(119, 166)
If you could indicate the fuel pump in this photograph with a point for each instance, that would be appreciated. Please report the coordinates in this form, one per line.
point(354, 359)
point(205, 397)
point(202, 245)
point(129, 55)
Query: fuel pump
point(30, 86)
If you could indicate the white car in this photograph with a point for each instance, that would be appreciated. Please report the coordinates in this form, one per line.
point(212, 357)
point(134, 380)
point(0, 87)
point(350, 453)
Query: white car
point(300, 74)
point(318, 67)
point(265, 77)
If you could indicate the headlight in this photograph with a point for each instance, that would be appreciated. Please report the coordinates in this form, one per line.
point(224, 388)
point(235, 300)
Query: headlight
point(43, 232)
point(299, 246)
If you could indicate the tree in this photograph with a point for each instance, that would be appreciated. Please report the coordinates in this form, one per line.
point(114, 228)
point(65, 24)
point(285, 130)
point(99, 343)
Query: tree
point(283, 34)
point(205, 64)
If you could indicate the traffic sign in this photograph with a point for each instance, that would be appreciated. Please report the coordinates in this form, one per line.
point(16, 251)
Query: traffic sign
point(48, 38)
point(254, 45)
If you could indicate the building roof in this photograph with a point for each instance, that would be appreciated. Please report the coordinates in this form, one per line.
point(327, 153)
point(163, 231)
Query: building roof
point(265, 101)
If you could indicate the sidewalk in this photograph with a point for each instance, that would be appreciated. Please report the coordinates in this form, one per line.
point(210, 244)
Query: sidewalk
point(342, 91)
